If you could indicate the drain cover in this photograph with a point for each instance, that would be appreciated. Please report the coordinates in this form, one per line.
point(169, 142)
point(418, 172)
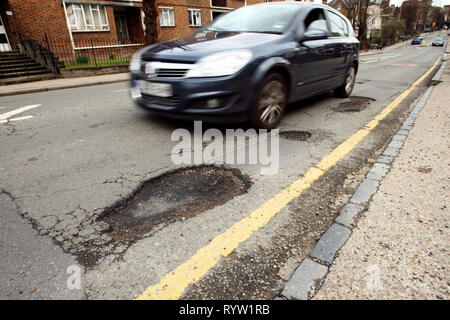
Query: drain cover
point(295, 135)
point(355, 104)
point(172, 197)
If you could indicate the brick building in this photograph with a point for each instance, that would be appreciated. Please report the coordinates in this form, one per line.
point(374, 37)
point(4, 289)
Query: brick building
point(346, 7)
point(75, 25)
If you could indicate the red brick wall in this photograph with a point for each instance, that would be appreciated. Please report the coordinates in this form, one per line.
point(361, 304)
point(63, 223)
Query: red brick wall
point(35, 18)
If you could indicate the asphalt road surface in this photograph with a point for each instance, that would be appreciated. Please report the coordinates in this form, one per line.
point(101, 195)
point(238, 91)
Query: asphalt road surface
point(75, 153)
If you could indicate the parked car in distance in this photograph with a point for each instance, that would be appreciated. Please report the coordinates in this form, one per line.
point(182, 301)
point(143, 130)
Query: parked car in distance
point(417, 40)
point(248, 64)
point(427, 30)
point(438, 42)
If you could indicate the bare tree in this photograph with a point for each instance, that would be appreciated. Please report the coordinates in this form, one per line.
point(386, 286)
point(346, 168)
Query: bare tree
point(409, 14)
point(437, 16)
point(150, 21)
point(363, 16)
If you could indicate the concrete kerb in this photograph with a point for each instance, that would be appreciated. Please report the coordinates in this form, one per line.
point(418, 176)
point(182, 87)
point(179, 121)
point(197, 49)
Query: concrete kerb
point(309, 276)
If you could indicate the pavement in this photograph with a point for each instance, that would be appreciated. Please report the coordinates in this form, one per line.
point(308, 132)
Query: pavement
point(63, 83)
point(387, 49)
point(392, 240)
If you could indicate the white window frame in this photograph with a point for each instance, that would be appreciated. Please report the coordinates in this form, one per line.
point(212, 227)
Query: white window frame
point(162, 17)
point(88, 10)
point(191, 13)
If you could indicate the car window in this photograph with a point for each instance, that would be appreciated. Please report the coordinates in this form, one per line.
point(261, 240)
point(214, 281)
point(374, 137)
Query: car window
point(338, 26)
point(316, 21)
point(266, 19)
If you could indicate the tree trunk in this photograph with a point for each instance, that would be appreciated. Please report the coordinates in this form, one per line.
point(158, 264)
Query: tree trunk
point(150, 21)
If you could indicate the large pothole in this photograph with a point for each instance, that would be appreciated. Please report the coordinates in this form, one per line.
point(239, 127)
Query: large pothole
point(355, 104)
point(171, 197)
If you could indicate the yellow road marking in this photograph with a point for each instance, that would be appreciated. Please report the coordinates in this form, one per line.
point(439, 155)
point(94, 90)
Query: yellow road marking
point(173, 284)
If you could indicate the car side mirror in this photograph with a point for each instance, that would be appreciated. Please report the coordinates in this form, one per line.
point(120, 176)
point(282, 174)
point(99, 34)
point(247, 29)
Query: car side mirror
point(314, 34)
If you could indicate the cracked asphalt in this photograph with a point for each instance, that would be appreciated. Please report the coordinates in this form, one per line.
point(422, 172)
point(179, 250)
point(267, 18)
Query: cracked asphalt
point(87, 149)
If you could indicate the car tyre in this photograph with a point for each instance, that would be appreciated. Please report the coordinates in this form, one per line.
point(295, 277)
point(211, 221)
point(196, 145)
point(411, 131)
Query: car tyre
point(270, 102)
point(345, 90)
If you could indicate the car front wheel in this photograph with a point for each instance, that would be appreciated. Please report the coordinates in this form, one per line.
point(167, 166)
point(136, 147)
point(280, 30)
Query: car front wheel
point(346, 89)
point(270, 102)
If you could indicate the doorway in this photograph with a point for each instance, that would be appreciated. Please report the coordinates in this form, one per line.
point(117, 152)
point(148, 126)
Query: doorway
point(4, 41)
point(122, 28)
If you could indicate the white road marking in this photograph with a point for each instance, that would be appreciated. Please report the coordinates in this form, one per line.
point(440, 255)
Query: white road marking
point(382, 58)
point(388, 57)
point(9, 114)
point(16, 119)
point(21, 118)
point(122, 90)
point(369, 61)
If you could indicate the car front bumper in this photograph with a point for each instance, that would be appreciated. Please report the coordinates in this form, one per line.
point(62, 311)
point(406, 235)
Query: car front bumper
point(219, 99)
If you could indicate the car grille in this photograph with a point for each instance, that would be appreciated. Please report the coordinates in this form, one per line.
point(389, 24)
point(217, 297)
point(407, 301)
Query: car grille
point(165, 70)
point(167, 102)
point(171, 73)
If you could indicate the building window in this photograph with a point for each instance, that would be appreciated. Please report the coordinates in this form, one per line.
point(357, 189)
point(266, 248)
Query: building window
point(167, 17)
point(87, 17)
point(219, 3)
point(195, 17)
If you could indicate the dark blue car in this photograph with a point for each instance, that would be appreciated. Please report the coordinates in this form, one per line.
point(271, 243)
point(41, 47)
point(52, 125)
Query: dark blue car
point(248, 64)
point(417, 40)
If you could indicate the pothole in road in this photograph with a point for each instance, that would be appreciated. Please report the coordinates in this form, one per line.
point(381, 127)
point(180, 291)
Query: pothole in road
point(295, 135)
point(172, 197)
point(355, 104)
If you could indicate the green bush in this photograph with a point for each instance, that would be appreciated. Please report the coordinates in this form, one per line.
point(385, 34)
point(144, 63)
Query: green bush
point(81, 59)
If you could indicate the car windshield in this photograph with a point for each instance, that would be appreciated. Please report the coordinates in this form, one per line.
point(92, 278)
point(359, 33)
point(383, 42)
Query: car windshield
point(263, 18)
point(438, 39)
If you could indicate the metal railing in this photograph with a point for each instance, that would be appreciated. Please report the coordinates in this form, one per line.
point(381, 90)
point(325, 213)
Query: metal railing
point(92, 52)
point(37, 51)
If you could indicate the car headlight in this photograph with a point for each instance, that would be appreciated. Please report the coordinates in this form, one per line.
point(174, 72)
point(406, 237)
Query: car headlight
point(220, 64)
point(135, 64)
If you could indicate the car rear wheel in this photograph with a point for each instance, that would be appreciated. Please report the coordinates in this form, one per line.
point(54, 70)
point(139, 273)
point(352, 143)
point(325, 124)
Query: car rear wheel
point(346, 89)
point(270, 102)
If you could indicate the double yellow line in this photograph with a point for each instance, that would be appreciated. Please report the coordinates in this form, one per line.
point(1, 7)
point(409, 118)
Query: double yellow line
point(173, 284)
